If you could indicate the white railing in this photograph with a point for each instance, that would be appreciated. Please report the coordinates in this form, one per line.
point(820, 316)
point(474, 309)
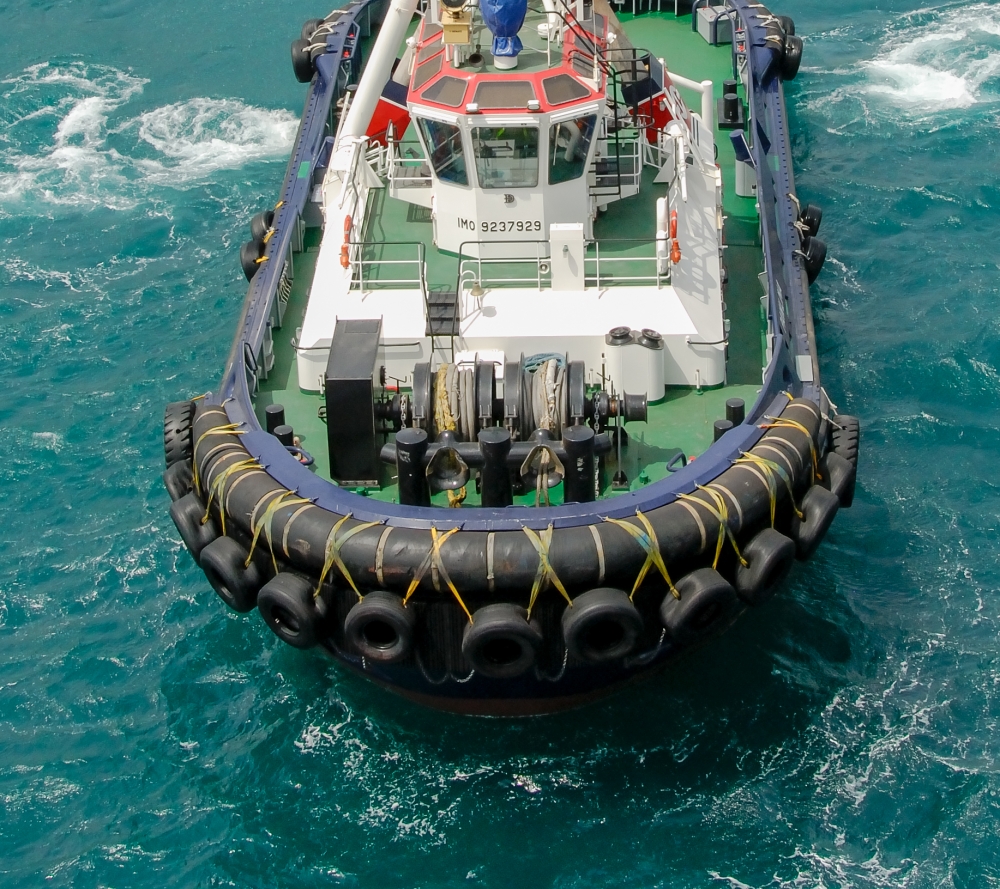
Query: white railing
point(398, 276)
point(605, 270)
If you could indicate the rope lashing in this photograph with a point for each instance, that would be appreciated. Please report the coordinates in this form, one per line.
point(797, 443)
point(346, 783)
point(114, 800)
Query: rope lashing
point(228, 429)
point(545, 572)
point(720, 512)
point(770, 469)
point(433, 560)
point(331, 552)
point(219, 484)
point(784, 423)
point(651, 546)
point(265, 522)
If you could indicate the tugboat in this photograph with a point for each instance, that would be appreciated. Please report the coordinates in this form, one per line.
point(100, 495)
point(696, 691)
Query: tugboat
point(524, 398)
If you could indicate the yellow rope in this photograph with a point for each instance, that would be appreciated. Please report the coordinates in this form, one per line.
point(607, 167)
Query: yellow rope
point(443, 420)
point(455, 498)
point(228, 429)
point(651, 546)
point(545, 573)
point(267, 519)
point(783, 423)
point(770, 470)
point(721, 514)
point(331, 552)
point(433, 557)
point(218, 486)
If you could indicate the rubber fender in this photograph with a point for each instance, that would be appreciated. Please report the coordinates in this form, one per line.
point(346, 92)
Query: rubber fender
point(302, 63)
point(791, 58)
point(260, 225)
point(839, 476)
point(287, 604)
point(310, 26)
point(813, 257)
point(178, 417)
point(811, 217)
point(250, 252)
point(601, 626)
point(819, 507)
point(787, 24)
point(705, 596)
point(501, 642)
point(187, 514)
point(224, 564)
point(178, 480)
point(770, 556)
point(846, 437)
point(380, 628)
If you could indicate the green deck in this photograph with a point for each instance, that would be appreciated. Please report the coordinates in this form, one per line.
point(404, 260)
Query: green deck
point(684, 419)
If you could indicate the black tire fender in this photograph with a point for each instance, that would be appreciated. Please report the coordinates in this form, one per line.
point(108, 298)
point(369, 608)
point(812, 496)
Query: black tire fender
point(380, 628)
point(224, 564)
point(705, 596)
point(309, 28)
point(260, 225)
point(791, 57)
point(601, 626)
point(501, 642)
point(250, 252)
point(787, 24)
point(287, 604)
point(302, 63)
point(819, 508)
point(846, 437)
point(187, 514)
point(839, 476)
point(770, 556)
point(178, 419)
point(179, 480)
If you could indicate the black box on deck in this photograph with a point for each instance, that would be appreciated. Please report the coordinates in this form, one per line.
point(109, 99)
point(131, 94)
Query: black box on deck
point(352, 386)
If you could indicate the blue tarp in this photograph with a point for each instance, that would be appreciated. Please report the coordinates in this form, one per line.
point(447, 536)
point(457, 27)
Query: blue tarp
point(504, 18)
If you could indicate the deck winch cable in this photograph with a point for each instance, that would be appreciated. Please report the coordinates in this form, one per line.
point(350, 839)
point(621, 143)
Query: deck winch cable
point(434, 561)
point(545, 573)
point(331, 552)
point(651, 546)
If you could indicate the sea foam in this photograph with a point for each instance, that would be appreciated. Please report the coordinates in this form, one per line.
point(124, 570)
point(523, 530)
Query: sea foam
point(66, 141)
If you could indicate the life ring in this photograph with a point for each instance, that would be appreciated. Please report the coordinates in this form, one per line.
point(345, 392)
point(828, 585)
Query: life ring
point(224, 564)
point(302, 62)
point(770, 556)
point(178, 480)
point(819, 508)
point(178, 418)
point(287, 604)
point(501, 642)
point(705, 595)
point(791, 57)
point(187, 514)
point(379, 628)
point(601, 626)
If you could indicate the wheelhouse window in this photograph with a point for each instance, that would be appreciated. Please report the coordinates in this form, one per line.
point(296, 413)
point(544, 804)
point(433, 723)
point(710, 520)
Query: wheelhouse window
point(506, 157)
point(569, 147)
point(444, 148)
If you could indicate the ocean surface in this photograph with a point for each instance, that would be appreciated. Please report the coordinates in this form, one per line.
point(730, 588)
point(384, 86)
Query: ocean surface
point(844, 736)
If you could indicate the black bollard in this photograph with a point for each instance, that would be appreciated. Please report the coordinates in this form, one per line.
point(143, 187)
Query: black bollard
point(721, 428)
point(274, 416)
point(578, 486)
point(285, 434)
point(494, 443)
point(411, 448)
point(736, 411)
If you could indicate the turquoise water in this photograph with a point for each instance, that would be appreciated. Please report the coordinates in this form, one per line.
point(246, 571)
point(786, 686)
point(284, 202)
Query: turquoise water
point(844, 736)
